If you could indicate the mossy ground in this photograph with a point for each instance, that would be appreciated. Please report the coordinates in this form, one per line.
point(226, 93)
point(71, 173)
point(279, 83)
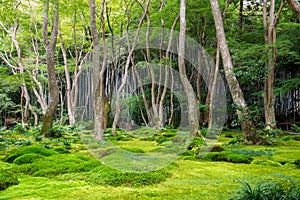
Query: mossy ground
point(190, 179)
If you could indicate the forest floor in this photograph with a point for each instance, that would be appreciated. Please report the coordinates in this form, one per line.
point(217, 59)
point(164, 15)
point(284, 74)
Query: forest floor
point(68, 173)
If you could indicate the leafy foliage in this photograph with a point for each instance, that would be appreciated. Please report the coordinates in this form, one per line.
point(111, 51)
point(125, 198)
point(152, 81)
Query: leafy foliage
point(286, 188)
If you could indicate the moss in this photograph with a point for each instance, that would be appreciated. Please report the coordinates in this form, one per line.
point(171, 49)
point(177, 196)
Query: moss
point(7, 179)
point(27, 158)
point(134, 150)
point(106, 176)
point(59, 164)
point(29, 149)
point(267, 163)
point(228, 156)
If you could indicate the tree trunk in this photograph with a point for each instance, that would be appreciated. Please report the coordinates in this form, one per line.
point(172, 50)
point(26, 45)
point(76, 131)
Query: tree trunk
point(125, 75)
point(249, 129)
point(98, 79)
point(295, 7)
point(192, 106)
point(71, 115)
point(166, 80)
point(270, 22)
point(52, 83)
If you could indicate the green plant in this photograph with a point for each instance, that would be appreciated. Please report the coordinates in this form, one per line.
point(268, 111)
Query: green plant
point(228, 156)
point(297, 138)
point(287, 138)
point(285, 188)
point(26, 150)
point(216, 148)
point(266, 152)
point(7, 179)
point(296, 128)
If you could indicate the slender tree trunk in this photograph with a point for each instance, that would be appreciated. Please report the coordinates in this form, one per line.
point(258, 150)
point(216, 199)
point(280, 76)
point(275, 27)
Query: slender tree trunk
point(71, 115)
point(125, 75)
point(192, 106)
point(52, 83)
point(270, 21)
point(168, 68)
point(213, 88)
point(249, 129)
point(98, 74)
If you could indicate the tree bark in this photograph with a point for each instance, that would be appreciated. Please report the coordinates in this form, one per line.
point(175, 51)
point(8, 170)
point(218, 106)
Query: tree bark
point(295, 7)
point(270, 22)
point(125, 75)
point(192, 106)
point(249, 129)
point(98, 74)
point(52, 83)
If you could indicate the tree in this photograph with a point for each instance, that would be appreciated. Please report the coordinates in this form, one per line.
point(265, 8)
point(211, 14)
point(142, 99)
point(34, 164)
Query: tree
point(125, 75)
point(98, 78)
point(249, 129)
point(192, 107)
point(270, 22)
point(50, 50)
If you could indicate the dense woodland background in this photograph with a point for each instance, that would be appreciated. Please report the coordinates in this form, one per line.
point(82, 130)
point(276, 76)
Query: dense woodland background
point(46, 73)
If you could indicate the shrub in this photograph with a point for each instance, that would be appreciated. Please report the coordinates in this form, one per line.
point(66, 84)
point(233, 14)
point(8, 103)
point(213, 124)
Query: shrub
point(26, 150)
point(274, 189)
point(27, 158)
point(267, 152)
point(228, 156)
point(216, 148)
point(287, 138)
point(297, 138)
point(7, 179)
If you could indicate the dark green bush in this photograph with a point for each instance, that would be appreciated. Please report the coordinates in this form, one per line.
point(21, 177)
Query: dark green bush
point(27, 158)
point(297, 138)
point(26, 150)
point(216, 148)
point(7, 179)
point(286, 189)
point(265, 152)
point(107, 176)
point(228, 156)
